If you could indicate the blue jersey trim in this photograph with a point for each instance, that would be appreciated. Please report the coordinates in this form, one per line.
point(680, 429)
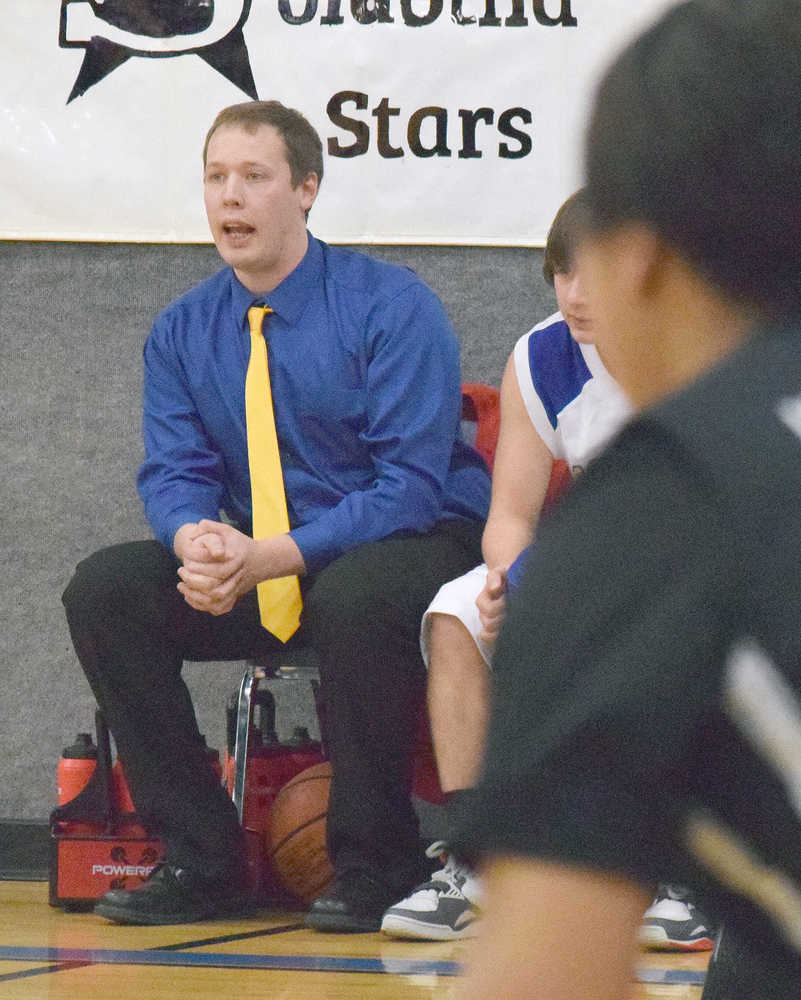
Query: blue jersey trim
point(558, 369)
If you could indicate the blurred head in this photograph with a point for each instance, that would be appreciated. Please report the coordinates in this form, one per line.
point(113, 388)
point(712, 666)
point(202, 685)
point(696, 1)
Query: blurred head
point(693, 168)
point(560, 264)
point(696, 133)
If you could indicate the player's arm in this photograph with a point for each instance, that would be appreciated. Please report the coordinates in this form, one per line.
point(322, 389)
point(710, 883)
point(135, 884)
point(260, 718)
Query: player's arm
point(520, 478)
point(576, 943)
point(523, 464)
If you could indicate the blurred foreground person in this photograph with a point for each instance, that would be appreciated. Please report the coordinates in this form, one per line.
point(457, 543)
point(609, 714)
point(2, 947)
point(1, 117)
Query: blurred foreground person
point(658, 731)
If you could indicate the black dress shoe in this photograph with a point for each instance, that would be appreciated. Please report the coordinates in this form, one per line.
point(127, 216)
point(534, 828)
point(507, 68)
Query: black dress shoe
point(156, 18)
point(172, 895)
point(354, 903)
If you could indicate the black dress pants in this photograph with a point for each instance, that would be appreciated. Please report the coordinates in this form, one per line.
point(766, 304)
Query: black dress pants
point(132, 631)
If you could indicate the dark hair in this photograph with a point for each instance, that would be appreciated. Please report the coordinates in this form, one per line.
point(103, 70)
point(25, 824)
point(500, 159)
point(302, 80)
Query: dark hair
point(696, 132)
point(304, 150)
point(569, 225)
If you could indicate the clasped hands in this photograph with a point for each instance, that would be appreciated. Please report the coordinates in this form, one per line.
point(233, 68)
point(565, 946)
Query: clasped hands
point(220, 563)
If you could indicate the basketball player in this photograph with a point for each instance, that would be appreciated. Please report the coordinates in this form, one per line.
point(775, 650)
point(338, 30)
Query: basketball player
point(558, 403)
point(661, 731)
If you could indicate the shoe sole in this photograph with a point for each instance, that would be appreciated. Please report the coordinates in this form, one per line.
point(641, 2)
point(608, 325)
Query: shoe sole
point(331, 923)
point(655, 939)
point(122, 915)
point(417, 930)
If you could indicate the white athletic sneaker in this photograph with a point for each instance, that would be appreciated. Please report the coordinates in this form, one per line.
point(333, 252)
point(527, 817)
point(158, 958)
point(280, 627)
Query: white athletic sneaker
point(674, 923)
point(443, 909)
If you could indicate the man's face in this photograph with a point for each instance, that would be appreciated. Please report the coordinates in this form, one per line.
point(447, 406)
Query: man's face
point(572, 301)
point(257, 218)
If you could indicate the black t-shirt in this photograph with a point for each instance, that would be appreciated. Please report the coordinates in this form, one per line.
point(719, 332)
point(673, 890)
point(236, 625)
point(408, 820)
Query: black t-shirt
point(647, 704)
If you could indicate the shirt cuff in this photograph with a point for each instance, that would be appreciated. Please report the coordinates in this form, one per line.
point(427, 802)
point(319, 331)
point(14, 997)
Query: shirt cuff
point(316, 546)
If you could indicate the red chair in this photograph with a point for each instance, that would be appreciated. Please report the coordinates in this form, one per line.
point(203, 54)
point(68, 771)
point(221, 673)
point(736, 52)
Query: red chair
point(481, 405)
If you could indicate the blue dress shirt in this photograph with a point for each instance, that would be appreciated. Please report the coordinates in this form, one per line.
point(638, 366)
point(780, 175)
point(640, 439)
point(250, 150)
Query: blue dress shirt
point(364, 371)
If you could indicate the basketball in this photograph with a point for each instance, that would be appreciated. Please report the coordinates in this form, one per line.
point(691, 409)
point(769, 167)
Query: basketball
point(296, 833)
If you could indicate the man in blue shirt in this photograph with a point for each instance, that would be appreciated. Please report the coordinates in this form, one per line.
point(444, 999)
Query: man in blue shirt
point(385, 502)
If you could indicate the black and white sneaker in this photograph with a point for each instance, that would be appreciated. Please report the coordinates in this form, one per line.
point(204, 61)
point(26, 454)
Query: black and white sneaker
point(674, 923)
point(442, 909)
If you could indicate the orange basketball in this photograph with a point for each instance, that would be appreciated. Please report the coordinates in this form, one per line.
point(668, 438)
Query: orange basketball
point(296, 833)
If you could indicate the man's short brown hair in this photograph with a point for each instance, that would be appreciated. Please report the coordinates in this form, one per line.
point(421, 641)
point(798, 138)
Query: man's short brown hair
point(304, 150)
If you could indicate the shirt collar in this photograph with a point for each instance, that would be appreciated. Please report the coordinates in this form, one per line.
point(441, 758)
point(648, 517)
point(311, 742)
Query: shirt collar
point(289, 299)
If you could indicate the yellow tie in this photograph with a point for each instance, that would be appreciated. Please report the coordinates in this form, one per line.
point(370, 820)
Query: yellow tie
point(279, 599)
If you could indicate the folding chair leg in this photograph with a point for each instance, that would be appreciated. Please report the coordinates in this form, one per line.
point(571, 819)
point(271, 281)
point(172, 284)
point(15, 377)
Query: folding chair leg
point(244, 720)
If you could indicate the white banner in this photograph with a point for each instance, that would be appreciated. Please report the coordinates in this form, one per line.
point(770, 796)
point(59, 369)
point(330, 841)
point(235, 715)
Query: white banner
point(444, 121)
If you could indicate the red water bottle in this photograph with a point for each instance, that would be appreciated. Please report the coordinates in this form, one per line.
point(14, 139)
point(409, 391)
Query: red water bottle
point(76, 767)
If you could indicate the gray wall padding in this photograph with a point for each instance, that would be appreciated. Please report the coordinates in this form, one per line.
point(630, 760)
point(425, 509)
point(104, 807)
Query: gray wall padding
point(73, 318)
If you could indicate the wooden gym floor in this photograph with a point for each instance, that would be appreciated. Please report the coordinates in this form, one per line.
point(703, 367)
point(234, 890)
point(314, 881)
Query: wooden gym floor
point(46, 953)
